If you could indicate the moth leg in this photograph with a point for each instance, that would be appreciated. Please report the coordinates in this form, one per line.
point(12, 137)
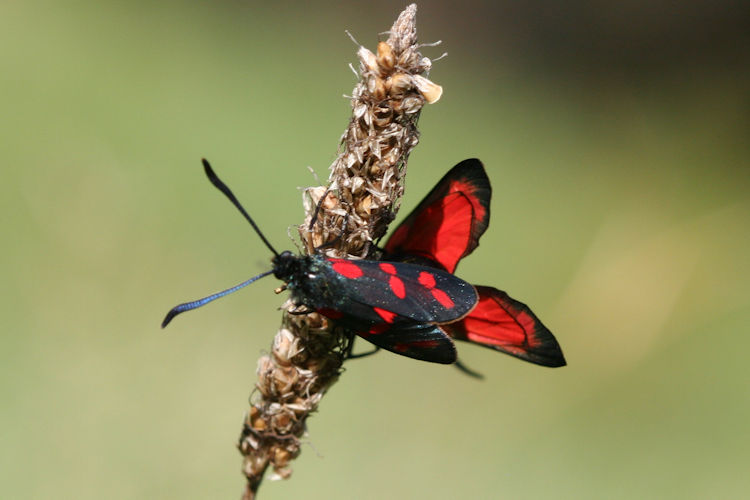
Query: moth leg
point(468, 371)
point(362, 354)
point(314, 218)
point(351, 355)
point(337, 238)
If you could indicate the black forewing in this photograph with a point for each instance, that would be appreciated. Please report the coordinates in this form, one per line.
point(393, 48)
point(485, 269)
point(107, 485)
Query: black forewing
point(401, 291)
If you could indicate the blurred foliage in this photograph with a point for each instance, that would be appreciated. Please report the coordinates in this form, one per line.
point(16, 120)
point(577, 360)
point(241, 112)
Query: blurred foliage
point(617, 148)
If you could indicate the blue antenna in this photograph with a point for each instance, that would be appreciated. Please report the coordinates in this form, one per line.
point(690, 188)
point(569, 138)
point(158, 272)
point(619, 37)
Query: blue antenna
point(188, 306)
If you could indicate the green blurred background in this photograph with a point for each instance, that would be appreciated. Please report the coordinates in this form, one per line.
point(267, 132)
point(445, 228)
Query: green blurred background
point(616, 140)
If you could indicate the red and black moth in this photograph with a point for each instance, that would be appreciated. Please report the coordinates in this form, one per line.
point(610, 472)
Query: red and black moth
point(444, 228)
point(411, 303)
point(398, 306)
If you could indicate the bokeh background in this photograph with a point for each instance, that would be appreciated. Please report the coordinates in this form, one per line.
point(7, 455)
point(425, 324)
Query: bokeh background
point(616, 138)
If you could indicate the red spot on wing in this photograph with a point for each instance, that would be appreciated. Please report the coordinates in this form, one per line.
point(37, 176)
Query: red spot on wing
point(378, 328)
point(426, 279)
point(397, 287)
point(443, 298)
point(347, 268)
point(331, 313)
point(388, 268)
point(417, 344)
point(388, 316)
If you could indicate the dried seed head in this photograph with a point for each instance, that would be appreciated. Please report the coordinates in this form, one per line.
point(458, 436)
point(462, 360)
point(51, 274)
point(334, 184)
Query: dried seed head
point(365, 185)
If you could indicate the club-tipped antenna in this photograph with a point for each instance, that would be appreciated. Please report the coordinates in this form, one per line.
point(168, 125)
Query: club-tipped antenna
point(188, 306)
point(228, 193)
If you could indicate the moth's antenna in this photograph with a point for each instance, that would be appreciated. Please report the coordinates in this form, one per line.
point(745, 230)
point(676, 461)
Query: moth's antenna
point(187, 306)
point(228, 193)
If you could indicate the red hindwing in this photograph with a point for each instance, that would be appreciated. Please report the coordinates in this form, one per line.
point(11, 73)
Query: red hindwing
point(509, 326)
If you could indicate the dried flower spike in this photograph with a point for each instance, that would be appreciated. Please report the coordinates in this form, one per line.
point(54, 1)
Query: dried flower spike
point(342, 220)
